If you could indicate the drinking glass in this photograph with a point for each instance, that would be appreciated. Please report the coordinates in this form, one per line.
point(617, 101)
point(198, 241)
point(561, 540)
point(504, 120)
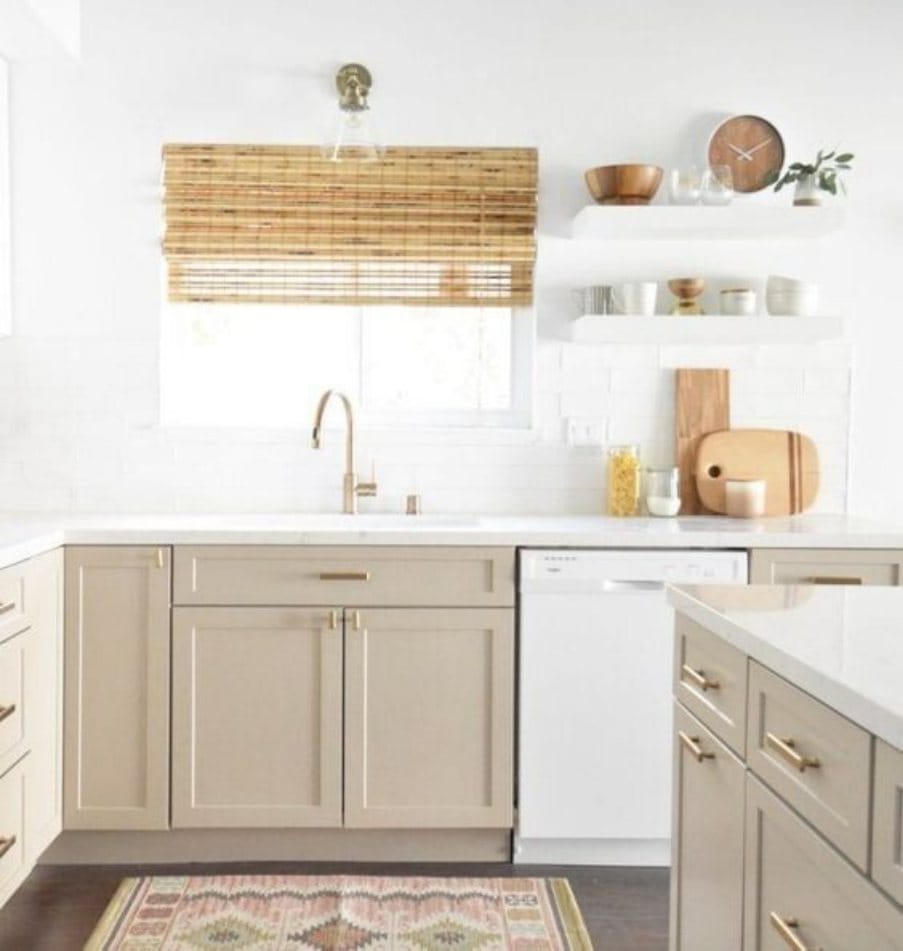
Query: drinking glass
point(717, 185)
point(686, 185)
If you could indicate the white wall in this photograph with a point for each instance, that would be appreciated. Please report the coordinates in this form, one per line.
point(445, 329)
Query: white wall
point(587, 82)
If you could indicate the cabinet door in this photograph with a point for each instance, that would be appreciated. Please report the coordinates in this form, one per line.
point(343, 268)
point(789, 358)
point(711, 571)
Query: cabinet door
point(826, 566)
point(707, 840)
point(257, 717)
point(116, 773)
point(44, 690)
point(801, 894)
point(429, 718)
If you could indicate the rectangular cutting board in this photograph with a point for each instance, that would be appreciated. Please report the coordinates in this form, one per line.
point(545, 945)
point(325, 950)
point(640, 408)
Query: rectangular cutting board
point(786, 460)
point(702, 405)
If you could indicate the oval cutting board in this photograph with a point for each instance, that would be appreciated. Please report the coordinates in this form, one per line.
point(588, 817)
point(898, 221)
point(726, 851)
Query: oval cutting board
point(786, 460)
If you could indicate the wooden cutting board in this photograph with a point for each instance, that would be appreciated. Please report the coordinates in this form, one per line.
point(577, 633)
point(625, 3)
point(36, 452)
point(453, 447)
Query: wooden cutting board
point(786, 460)
point(702, 405)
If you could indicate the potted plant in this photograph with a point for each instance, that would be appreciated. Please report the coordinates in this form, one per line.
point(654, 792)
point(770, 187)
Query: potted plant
point(821, 176)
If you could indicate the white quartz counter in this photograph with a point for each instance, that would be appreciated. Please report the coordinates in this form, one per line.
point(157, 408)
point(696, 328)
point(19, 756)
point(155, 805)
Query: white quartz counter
point(22, 537)
point(843, 645)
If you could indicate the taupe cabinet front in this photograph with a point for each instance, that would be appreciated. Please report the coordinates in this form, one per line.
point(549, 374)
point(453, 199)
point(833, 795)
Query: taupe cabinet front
point(116, 719)
point(343, 701)
point(826, 566)
point(257, 718)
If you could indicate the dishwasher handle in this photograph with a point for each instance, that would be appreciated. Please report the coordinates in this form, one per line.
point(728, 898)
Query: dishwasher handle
point(612, 586)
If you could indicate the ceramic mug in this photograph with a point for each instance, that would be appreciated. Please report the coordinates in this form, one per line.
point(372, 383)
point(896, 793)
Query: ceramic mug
point(636, 297)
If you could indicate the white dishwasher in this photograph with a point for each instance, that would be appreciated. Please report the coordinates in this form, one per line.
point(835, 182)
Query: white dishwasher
point(594, 741)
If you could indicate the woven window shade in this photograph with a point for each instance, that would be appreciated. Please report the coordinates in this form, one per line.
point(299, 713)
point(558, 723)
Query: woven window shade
point(281, 224)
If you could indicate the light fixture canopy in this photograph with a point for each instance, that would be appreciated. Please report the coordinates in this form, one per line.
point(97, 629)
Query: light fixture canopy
point(354, 137)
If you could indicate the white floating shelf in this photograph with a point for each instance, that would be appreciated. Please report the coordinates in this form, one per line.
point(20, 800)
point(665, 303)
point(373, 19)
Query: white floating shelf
point(706, 328)
point(736, 222)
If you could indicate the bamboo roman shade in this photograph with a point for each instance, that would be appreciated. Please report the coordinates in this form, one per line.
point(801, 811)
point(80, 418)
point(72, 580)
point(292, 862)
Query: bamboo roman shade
point(282, 224)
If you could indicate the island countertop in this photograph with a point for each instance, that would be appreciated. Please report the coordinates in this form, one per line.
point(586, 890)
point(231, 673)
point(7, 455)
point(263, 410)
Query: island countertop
point(843, 645)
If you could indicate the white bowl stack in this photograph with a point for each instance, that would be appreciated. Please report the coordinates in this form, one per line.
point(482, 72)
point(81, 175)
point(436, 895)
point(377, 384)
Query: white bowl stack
point(786, 296)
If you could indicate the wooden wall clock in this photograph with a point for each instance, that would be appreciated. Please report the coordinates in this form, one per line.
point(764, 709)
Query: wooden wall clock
point(753, 150)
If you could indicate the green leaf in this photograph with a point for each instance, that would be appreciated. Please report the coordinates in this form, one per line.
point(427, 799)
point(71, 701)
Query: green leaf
point(844, 166)
point(827, 156)
point(846, 157)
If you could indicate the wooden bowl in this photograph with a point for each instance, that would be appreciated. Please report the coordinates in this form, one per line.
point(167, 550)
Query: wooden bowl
point(623, 184)
point(686, 288)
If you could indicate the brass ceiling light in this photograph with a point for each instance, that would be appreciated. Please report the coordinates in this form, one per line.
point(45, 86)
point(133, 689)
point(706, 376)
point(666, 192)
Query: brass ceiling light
point(354, 137)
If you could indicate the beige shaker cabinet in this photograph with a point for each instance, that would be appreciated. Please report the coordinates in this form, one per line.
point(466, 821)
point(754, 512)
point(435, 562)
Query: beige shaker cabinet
point(117, 683)
point(429, 707)
point(707, 862)
point(826, 566)
point(257, 717)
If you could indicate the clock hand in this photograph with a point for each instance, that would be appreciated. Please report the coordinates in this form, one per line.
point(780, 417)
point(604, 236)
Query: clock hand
point(761, 145)
point(740, 152)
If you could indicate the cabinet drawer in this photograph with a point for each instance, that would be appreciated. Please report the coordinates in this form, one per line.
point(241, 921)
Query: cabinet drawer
point(814, 566)
point(12, 601)
point(798, 889)
point(814, 758)
point(14, 654)
point(344, 575)
point(12, 825)
point(887, 829)
point(710, 681)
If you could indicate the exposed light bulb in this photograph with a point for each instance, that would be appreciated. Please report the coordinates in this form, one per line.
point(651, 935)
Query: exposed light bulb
point(354, 137)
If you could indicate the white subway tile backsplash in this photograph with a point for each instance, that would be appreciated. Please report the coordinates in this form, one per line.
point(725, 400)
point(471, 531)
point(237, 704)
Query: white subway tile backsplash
point(78, 429)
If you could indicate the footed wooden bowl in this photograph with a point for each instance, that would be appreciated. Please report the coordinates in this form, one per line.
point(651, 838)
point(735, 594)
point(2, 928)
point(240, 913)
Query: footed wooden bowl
point(686, 288)
point(623, 184)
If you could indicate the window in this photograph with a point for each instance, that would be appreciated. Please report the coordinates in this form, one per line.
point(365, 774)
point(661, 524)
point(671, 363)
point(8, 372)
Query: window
point(407, 283)
point(247, 365)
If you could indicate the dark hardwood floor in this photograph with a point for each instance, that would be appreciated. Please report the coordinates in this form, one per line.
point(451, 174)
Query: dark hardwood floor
point(625, 909)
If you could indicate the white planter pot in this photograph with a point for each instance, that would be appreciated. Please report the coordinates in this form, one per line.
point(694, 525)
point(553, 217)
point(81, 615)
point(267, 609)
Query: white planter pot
point(807, 191)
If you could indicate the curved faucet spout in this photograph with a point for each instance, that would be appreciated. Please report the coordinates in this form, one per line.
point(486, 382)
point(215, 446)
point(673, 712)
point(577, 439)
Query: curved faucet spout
point(351, 487)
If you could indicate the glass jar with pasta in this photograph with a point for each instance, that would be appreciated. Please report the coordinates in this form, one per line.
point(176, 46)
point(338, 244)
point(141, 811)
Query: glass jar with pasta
point(623, 480)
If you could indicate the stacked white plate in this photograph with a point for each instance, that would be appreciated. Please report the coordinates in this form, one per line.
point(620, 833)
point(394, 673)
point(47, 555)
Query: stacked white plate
point(786, 296)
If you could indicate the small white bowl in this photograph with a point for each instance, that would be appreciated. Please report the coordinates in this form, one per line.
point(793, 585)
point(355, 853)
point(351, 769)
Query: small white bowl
point(792, 304)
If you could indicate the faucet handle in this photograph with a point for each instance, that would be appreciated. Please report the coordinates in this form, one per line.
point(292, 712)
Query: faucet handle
point(367, 488)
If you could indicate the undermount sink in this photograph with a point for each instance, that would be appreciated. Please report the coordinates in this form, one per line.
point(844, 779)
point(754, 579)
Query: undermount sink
point(335, 522)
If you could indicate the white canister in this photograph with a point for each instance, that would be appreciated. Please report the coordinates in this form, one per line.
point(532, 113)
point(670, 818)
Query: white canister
point(738, 302)
point(598, 299)
point(636, 297)
point(745, 498)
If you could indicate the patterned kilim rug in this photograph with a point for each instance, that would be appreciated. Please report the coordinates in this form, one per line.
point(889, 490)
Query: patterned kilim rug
point(340, 913)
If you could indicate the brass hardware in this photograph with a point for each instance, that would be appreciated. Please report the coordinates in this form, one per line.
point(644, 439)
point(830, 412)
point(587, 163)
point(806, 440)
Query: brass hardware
point(692, 744)
point(333, 620)
point(7, 607)
point(826, 579)
point(353, 82)
point(786, 748)
point(344, 576)
point(6, 845)
point(351, 487)
point(700, 678)
point(7, 711)
point(785, 927)
point(159, 557)
point(356, 620)
point(412, 505)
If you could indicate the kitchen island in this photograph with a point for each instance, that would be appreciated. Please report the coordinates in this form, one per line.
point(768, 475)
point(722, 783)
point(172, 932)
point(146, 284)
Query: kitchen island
point(788, 768)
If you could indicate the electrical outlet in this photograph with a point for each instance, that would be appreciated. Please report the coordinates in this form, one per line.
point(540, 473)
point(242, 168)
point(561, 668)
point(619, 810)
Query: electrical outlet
point(584, 433)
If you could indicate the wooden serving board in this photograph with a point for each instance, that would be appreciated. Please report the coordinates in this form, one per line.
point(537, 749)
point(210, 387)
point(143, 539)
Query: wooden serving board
point(702, 405)
point(786, 460)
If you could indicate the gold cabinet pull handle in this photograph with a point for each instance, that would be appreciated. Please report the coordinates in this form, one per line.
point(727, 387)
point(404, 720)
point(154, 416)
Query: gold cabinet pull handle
point(6, 844)
point(333, 620)
point(833, 579)
point(786, 747)
point(344, 576)
point(6, 606)
point(356, 620)
point(785, 927)
point(7, 711)
point(692, 744)
point(159, 557)
point(699, 678)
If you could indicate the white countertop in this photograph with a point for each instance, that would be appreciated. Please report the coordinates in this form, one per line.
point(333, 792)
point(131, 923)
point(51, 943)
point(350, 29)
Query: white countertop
point(843, 645)
point(24, 536)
